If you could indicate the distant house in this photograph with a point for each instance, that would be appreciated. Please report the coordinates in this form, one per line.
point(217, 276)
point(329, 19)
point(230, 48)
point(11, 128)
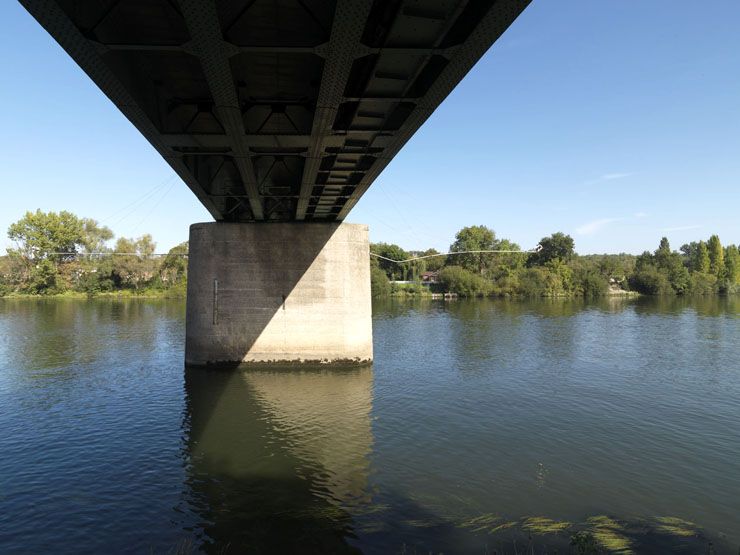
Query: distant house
point(430, 277)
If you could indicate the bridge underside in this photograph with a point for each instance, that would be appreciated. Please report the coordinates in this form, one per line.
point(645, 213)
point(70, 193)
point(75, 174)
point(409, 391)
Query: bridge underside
point(276, 110)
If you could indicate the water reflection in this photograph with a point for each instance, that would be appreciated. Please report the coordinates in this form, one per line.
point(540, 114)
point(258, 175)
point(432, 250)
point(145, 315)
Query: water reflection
point(482, 423)
point(278, 457)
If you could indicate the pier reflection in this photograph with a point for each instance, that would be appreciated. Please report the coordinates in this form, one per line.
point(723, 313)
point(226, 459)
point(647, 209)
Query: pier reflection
point(277, 458)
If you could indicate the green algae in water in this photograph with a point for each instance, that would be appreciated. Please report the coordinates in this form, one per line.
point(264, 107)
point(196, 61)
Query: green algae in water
point(610, 534)
point(675, 526)
point(543, 525)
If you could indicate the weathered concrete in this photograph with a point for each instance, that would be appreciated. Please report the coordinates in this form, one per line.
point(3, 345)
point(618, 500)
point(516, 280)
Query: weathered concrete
point(278, 292)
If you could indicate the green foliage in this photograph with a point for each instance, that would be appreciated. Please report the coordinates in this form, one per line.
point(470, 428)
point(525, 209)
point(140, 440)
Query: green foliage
point(133, 265)
point(671, 265)
point(702, 283)
point(435, 263)
point(534, 282)
point(54, 254)
point(473, 238)
point(43, 277)
point(57, 237)
point(732, 265)
point(590, 284)
point(465, 283)
point(716, 256)
point(174, 267)
point(393, 270)
point(650, 281)
point(556, 247)
point(379, 285)
point(556, 271)
point(409, 290)
point(696, 255)
point(94, 236)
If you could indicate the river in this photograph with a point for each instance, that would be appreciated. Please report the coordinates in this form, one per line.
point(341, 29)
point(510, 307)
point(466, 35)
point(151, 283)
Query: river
point(481, 427)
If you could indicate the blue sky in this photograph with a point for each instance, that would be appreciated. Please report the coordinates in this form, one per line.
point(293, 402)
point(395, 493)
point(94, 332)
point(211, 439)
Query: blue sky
point(617, 122)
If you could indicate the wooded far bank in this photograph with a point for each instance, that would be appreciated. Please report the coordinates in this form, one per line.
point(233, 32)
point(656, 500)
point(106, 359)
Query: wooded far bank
point(60, 253)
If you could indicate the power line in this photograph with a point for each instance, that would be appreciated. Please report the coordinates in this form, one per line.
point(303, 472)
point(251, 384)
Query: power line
point(133, 206)
point(136, 228)
point(116, 254)
point(530, 251)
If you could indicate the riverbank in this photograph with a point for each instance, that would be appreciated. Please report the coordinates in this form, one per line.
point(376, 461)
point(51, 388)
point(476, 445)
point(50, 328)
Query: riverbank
point(175, 293)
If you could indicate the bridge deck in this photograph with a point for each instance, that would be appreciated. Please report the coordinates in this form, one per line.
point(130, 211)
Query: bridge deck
point(276, 109)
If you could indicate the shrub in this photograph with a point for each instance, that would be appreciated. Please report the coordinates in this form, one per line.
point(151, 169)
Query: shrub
point(463, 282)
point(379, 285)
point(703, 284)
point(591, 284)
point(650, 281)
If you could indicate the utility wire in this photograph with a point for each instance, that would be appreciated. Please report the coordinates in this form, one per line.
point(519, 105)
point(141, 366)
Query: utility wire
point(149, 213)
point(141, 198)
point(530, 251)
point(116, 254)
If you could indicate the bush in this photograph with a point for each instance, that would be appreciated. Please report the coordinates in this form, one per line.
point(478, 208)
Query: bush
point(379, 285)
point(650, 281)
point(506, 286)
point(591, 284)
point(703, 284)
point(463, 282)
point(532, 282)
point(43, 278)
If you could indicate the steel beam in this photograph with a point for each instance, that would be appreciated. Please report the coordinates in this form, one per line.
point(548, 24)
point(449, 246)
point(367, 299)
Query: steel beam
point(58, 25)
point(490, 28)
point(346, 31)
point(201, 19)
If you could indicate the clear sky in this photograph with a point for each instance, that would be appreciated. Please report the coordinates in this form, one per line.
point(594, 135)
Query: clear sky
point(615, 121)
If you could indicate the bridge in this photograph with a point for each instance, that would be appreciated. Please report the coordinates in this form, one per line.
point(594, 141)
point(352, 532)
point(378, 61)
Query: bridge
point(279, 112)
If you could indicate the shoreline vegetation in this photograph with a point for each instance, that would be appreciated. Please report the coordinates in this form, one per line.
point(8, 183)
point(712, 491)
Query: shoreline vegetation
point(555, 270)
point(63, 255)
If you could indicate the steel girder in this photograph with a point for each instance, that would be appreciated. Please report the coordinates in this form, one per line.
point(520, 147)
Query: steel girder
point(276, 110)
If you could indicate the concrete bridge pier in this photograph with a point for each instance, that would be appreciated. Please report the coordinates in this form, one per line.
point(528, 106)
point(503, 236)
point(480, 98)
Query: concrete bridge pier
point(278, 293)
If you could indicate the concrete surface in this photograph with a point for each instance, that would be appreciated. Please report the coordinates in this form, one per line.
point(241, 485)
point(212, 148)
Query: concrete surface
point(277, 293)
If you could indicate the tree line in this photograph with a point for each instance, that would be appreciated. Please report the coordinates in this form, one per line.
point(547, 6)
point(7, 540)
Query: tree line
point(555, 270)
point(58, 252)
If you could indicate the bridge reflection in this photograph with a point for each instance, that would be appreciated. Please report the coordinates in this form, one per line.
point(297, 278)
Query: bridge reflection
point(277, 458)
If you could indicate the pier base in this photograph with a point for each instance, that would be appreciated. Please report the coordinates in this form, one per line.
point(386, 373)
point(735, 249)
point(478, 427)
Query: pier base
point(278, 293)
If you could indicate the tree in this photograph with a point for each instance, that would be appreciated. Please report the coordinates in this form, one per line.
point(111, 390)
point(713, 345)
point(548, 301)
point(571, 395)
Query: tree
point(644, 261)
point(669, 264)
point(557, 246)
point(732, 265)
point(697, 256)
point(393, 270)
point(702, 258)
point(132, 262)
point(379, 285)
point(46, 240)
point(650, 281)
point(465, 283)
point(716, 256)
point(505, 264)
point(473, 238)
point(94, 236)
point(664, 251)
point(434, 263)
point(47, 235)
point(174, 267)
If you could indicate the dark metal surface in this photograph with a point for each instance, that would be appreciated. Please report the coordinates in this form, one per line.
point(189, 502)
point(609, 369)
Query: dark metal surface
point(276, 109)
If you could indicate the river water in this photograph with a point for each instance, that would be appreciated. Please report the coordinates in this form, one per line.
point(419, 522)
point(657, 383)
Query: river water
point(481, 426)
